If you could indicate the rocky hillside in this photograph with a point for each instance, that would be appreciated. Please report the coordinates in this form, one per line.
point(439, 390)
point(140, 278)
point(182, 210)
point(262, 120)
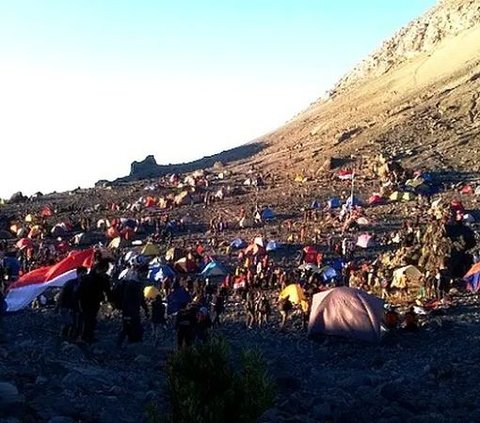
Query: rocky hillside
point(423, 35)
point(416, 97)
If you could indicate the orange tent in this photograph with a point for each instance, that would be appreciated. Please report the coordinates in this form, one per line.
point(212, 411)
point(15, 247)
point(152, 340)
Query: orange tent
point(46, 212)
point(255, 249)
point(150, 202)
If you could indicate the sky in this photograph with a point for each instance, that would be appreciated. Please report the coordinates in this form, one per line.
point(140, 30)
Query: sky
point(88, 86)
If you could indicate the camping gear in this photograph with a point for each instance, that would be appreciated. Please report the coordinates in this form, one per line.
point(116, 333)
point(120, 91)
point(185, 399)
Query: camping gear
point(362, 221)
point(213, 269)
point(328, 273)
point(238, 243)
point(334, 203)
point(255, 249)
point(267, 214)
point(353, 201)
point(412, 274)
point(472, 278)
point(272, 246)
point(346, 312)
point(375, 199)
point(294, 292)
point(158, 272)
point(365, 241)
point(150, 249)
point(309, 267)
point(150, 292)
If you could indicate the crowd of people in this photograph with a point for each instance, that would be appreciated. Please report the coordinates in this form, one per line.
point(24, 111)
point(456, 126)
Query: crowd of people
point(434, 237)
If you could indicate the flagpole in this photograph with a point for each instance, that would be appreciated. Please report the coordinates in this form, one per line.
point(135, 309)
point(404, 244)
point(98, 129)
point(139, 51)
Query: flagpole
point(351, 193)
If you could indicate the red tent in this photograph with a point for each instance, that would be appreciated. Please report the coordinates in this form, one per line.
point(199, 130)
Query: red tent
point(457, 206)
point(310, 255)
point(112, 232)
point(375, 199)
point(150, 202)
point(24, 243)
point(46, 212)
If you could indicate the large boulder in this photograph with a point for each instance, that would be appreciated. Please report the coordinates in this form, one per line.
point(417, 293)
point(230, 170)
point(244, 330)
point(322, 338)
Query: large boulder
point(147, 168)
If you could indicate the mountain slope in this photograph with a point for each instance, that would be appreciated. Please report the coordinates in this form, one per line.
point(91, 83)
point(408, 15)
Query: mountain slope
point(417, 97)
point(413, 97)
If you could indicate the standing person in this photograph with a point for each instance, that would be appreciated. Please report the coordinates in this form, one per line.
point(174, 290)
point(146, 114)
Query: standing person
point(203, 323)
point(250, 310)
point(131, 302)
point(285, 307)
point(68, 304)
point(158, 318)
point(218, 308)
point(440, 284)
point(263, 310)
point(185, 326)
point(91, 292)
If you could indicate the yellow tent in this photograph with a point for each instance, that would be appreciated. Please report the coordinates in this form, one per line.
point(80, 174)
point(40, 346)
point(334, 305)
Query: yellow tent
point(408, 196)
point(402, 196)
point(115, 243)
point(396, 196)
point(29, 218)
point(150, 250)
point(294, 292)
point(183, 198)
point(150, 292)
point(415, 183)
point(300, 178)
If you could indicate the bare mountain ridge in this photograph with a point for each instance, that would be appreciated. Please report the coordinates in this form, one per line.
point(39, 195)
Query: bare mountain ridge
point(448, 18)
point(416, 97)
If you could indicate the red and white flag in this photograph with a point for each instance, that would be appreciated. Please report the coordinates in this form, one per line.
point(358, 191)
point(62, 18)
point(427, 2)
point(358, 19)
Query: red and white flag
point(29, 286)
point(345, 174)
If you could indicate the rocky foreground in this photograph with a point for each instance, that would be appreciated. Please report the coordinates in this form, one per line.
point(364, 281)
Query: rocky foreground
point(430, 375)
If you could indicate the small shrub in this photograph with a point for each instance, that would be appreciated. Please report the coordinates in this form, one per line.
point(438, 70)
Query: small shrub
point(204, 387)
